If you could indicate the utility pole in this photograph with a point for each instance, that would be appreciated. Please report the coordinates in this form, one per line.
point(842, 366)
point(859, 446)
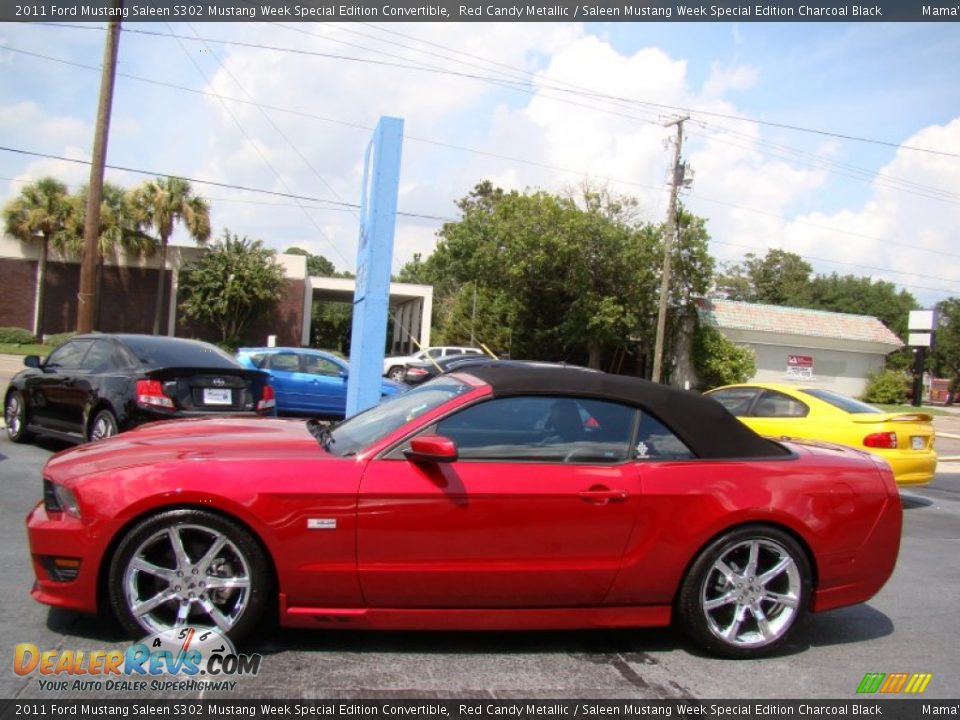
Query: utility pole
point(91, 229)
point(678, 171)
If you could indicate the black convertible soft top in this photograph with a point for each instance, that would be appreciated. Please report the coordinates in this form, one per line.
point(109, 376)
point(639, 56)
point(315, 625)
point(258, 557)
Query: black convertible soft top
point(702, 423)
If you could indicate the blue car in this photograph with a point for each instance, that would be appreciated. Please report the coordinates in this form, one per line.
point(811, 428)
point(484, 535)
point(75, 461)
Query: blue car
point(307, 382)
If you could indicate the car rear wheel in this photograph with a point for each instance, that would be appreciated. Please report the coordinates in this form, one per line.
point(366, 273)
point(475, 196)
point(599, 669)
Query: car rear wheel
point(104, 425)
point(188, 567)
point(746, 592)
point(15, 416)
point(397, 373)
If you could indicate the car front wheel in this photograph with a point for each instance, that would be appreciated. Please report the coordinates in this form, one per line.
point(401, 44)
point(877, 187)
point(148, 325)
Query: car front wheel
point(397, 373)
point(188, 567)
point(104, 425)
point(746, 592)
point(15, 416)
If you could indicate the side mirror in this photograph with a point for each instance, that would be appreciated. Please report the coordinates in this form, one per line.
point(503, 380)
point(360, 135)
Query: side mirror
point(32, 361)
point(344, 373)
point(432, 449)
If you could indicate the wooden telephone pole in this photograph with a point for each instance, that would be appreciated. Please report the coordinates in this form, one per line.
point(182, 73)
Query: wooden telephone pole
point(667, 248)
point(91, 230)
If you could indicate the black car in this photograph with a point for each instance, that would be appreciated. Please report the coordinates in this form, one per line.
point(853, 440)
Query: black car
point(420, 372)
point(94, 386)
point(423, 370)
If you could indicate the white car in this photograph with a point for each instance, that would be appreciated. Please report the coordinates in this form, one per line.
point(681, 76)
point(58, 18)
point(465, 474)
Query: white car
point(395, 367)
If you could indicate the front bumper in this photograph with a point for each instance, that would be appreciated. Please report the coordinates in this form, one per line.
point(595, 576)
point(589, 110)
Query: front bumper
point(60, 536)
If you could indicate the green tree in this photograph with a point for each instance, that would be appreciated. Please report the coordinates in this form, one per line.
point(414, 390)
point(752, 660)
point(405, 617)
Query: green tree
point(557, 278)
point(39, 214)
point(119, 231)
point(718, 361)
point(233, 283)
point(778, 278)
point(945, 358)
point(317, 265)
point(161, 204)
point(861, 296)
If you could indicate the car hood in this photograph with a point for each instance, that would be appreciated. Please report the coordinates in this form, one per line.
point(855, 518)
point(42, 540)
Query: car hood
point(193, 440)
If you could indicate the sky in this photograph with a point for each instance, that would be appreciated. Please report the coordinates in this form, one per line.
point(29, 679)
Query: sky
point(836, 141)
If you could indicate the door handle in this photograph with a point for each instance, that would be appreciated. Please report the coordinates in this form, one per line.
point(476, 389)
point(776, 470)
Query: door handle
point(602, 495)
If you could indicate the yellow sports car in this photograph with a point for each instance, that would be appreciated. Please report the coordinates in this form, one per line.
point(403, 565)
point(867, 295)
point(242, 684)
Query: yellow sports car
point(905, 440)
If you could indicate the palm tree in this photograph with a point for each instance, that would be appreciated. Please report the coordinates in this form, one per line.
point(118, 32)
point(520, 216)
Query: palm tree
point(161, 204)
point(38, 214)
point(119, 231)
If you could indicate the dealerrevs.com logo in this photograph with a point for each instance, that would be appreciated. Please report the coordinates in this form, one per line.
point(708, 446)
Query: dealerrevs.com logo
point(894, 683)
point(179, 659)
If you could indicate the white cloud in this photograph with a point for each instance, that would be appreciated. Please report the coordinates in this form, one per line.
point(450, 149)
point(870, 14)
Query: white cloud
point(909, 232)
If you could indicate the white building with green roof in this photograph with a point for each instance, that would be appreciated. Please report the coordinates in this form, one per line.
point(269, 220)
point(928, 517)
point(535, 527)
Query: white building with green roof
point(815, 348)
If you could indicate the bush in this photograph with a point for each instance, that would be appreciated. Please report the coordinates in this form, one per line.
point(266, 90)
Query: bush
point(54, 340)
point(16, 336)
point(718, 361)
point(889, 387)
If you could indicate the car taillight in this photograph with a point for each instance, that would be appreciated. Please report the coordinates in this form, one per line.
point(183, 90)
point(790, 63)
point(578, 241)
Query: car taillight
point(268, 400)
point(886, 440)
point(416, 372)
point(150, 392)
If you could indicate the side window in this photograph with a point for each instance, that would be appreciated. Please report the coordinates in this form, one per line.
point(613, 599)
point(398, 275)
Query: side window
point(99, 358)
point(736, 400)
point(655, 441)
point(542, 429)
point(434, 353)
point(258, 359)
point(772, 404)
point(69, 355)
point(287, 362)
point(317, 365)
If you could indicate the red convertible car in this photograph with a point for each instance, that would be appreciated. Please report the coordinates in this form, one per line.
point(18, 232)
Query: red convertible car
point(491, 498)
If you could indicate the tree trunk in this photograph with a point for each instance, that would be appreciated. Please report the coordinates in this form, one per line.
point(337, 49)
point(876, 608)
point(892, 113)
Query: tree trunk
point(41, 287)
point(596, 355)
point(161, 282)
point(98, 283)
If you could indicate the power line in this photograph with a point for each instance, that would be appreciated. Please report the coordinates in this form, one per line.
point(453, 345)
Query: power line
point(500, 156)
point(199, 181)
point(275, 193)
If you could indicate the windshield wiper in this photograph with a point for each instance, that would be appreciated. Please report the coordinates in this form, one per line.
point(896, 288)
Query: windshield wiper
point(321, 431)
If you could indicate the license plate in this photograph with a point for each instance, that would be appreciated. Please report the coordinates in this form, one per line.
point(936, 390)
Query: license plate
point(916, 443)
point(217, 396)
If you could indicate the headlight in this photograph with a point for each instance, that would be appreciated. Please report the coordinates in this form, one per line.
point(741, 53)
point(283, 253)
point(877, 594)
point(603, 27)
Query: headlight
point(57, 498)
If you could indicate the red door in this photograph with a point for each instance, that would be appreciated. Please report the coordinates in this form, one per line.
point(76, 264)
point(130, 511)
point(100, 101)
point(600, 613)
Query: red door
point(492, 534)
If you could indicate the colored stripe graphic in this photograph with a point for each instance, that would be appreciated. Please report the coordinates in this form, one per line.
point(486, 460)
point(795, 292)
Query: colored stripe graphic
point(893, 683)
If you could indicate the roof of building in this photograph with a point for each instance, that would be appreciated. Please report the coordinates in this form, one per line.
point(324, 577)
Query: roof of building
point(732, 315)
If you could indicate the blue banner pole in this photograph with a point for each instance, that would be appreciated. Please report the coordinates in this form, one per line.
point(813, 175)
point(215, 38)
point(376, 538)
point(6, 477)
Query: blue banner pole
point(371, 299)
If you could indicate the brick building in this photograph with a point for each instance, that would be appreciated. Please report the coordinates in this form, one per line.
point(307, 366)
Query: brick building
point(129, 287)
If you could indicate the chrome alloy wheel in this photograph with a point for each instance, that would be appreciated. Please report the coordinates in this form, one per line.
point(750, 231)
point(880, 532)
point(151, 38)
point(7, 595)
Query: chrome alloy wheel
point(751, 595)
point(187, 574)
point(14, 415)
point(104, 426)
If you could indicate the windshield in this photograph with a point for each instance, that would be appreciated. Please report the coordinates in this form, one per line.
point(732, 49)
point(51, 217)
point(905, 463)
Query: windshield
point(362, 430)
point(843, 402)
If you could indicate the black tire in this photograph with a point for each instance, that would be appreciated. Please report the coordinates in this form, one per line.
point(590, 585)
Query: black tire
point(184, 588)
point(741, 610)
point(397, 373)
point(15, 417)
point(103, 425)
